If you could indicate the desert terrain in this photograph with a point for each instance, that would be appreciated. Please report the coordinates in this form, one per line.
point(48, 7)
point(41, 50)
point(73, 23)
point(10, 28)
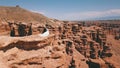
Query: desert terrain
point(69, 44)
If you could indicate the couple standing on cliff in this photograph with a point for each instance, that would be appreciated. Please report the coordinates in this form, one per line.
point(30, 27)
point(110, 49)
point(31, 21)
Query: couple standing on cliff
point(21, 28)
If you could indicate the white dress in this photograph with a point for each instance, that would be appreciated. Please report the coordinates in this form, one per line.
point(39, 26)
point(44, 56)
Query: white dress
point(44, 34)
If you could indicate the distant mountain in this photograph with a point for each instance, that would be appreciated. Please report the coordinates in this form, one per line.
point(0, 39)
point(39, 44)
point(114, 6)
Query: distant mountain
point(108, 18)
point(18, 14)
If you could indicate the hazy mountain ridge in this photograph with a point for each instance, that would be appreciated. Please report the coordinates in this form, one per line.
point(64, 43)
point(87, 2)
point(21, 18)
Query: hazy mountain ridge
point(108, 18)
point(19, 14)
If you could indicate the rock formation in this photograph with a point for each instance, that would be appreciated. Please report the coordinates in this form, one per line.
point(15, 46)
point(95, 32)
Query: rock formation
point(68, 45)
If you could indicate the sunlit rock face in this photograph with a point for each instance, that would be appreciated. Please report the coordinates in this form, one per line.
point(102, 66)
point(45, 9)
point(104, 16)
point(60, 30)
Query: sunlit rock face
point(67, 45)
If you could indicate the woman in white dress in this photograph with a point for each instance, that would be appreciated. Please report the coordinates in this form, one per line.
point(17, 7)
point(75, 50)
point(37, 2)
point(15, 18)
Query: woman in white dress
point(44, 33)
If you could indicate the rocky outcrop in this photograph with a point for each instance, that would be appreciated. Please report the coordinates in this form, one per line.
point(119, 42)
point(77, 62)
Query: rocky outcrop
point(68, 46)
point(88, 41)
point(35, 52)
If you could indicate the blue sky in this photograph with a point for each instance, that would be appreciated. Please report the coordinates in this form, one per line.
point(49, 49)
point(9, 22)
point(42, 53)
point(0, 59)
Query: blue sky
point(69, 9)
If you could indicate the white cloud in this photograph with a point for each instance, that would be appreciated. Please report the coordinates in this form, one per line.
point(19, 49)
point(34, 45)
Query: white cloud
point(92, 14)
point(81, 15)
